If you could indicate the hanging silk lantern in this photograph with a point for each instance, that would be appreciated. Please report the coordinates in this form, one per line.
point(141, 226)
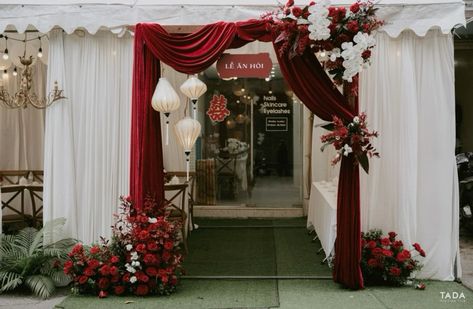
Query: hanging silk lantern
point(165, 100)
point(193, 88)
point(187, 131)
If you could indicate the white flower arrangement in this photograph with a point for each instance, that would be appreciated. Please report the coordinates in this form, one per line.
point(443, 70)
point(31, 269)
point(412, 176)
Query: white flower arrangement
point(352, 54)
point(319, 22)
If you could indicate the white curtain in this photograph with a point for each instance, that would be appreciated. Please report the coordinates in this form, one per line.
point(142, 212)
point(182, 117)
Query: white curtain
point(21, 140)
point(408, 95)
point(88, 135)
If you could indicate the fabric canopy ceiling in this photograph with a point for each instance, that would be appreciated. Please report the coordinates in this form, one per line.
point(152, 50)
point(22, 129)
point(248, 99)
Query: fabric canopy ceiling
point(93, 15)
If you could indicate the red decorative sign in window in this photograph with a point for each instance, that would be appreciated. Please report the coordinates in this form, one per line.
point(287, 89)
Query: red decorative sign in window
point(218, 108)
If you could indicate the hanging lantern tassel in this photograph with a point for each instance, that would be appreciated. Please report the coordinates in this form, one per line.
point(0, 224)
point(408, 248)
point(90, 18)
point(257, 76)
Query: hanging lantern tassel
point(165, 100)
point(194, 108)
point(167, 127)
point(187, 131)
point(188, 160)
point(193, 88)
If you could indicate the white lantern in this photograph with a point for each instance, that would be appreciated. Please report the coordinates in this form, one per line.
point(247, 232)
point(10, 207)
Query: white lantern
point(193, 88)
point(165, 100)
point(187, 131)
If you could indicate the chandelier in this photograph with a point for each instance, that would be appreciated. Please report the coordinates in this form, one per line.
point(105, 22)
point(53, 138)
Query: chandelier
point(25, 96)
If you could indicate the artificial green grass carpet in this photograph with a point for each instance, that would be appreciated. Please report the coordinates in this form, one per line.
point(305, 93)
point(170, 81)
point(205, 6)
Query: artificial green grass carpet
point(231, 252)
point(284, 294)
point(253, 247)
point(191, 294)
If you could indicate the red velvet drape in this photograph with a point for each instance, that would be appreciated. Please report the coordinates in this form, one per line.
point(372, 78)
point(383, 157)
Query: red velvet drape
point(193, 53)
point(312, 85)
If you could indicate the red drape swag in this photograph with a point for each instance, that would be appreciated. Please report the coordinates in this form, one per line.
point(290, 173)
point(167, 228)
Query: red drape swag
point(193, 53)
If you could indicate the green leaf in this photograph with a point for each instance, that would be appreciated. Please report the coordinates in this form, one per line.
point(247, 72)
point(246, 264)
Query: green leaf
point(9, 281)
point(40, 285)
point(364, 162)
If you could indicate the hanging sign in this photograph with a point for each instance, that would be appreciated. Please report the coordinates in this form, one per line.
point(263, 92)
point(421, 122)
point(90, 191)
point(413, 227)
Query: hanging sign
point(218, 110)
point(244, 65)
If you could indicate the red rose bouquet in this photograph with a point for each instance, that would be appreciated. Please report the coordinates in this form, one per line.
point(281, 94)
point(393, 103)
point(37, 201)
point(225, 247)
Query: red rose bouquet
point(142, 258)
point(351, 139)
point(385, 260)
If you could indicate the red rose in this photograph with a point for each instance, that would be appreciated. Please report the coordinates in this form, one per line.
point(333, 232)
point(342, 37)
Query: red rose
point(143, 278)
point(103, 283)
point(149, 258)
point(355, 7)
point(290, 3)
point(371, 244)
point(372, 263)
point(296, 11)
point(151, 271)
point(78, 248)
point(387, 253)
point(392, 235)
point(366, 54)
point(311, 3)
point(113, 270)
point(419, 249)
point(83, 279)
point(162, 272)
point(89, 272)
point(68, 266)
point(94, 250)
point(143, 235)
point(422, 253)
point(144, 219)
point(165, 278)
point(377, 251)
point(93, 263)
point(126, 277)
point(352, 26)
point(152, 246)
point(128, 199)
point(103, 294)
point(395, 271)
point(366, 27)
point(141, 248)
point(118, 289)
point(166, 256)
point(398, 244)
point(142, 290)
point(402, 256)
point(104, 270)
point(385, 241)
point(168, 245)
point(114, 259)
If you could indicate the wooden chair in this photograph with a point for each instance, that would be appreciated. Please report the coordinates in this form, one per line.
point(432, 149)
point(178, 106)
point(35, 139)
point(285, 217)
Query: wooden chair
point(12, 177)
point(19, 215)
point(38, 176)
point(37, 216)
point(175, 207)
point(226, 177)
point(190, 192)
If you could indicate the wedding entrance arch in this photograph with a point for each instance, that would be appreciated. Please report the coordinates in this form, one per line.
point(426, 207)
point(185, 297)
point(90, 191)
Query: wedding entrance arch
point(195, 52)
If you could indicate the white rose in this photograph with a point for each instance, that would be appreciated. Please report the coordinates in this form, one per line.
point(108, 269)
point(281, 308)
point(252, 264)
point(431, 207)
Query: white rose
point(347, 150)
point(356, 119)
point(129, 247)
point(133, 279)
point(152, 220)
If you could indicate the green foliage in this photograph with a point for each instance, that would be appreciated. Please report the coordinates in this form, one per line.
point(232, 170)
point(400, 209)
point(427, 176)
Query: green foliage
point(31, 259)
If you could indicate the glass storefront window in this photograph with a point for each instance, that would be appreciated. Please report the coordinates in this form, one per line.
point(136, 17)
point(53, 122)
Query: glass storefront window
point(250, 152)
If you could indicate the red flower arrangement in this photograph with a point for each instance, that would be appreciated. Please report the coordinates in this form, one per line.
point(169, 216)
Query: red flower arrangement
point(385, 259)
point(143, 257)
point(325, 29)
point(351, 139)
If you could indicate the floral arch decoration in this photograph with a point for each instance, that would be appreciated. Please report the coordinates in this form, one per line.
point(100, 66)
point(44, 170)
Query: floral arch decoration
point(344, 35)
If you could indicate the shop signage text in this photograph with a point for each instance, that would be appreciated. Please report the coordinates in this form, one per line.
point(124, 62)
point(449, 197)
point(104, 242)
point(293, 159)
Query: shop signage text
point(244, 65)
